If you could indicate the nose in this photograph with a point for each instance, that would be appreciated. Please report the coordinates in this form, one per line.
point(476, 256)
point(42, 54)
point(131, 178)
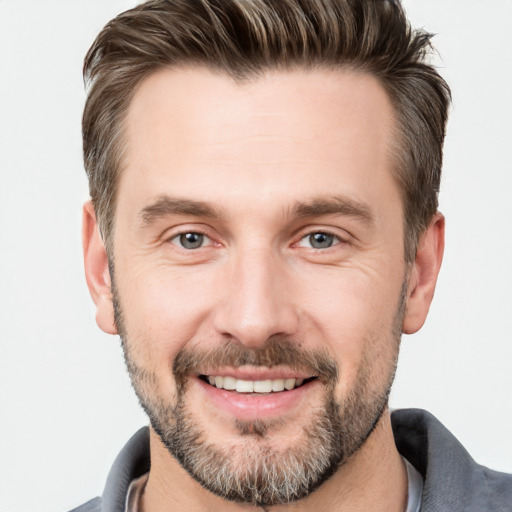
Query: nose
point(257, 302)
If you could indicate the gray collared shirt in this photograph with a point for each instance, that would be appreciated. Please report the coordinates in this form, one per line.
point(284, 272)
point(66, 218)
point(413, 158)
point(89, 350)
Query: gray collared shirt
point(453, 481)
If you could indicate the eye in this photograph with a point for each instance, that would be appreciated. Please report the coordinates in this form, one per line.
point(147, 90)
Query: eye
point(190, 240)
point(319, 240)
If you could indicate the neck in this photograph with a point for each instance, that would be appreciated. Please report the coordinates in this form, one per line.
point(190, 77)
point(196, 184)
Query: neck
point(374, 478)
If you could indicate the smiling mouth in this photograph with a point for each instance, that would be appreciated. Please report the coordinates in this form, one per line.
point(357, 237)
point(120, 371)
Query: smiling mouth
point(254, 386)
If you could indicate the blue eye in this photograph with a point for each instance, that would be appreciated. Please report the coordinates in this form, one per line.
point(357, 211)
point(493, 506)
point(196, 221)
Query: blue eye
point(190, 240)
point(319, 240)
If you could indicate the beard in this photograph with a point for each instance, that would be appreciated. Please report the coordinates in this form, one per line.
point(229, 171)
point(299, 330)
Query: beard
point(258, 471)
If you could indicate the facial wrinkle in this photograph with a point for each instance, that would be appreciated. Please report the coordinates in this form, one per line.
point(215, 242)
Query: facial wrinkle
point(254, 472)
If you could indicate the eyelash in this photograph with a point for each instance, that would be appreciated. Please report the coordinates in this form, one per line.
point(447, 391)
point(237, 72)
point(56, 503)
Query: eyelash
point(336, 238)
point(176, 239)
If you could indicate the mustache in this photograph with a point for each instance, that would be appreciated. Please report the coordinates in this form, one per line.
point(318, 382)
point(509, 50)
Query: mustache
point(277, 351)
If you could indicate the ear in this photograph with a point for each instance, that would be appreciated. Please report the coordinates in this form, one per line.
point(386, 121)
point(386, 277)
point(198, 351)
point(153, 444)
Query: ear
point(97, 273)
point(423, 276)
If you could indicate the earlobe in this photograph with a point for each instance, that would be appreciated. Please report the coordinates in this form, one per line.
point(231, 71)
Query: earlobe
point(97, 272)
point(423, 276)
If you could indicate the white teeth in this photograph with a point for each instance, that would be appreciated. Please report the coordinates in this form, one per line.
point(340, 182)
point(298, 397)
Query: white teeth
point(229, 383)
point(289, 384)
point(278, 385)
point(262, 386)
point(244, 386)
point(254, 386)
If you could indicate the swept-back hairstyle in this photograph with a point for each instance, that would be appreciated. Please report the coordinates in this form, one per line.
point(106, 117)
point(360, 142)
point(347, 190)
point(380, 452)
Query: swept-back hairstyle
point(244, 38)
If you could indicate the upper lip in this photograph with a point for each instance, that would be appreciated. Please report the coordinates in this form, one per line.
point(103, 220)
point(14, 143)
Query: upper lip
point(256, 373)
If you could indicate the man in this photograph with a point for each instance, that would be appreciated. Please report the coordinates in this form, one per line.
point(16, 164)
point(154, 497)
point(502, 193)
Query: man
point(263, 228)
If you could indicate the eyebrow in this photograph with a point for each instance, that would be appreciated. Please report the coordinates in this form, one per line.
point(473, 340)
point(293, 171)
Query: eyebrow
point(337, 205)
point(165, 205)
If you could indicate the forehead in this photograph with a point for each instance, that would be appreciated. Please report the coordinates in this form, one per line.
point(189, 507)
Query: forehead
point(284, 132)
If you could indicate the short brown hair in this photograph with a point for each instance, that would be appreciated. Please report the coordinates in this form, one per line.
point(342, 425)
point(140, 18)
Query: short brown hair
point(243, 38)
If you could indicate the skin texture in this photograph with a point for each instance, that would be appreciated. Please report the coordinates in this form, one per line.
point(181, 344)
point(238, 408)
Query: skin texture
point(257, 168)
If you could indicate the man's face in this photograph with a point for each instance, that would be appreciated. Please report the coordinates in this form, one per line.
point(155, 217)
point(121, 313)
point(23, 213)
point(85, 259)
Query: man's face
point(258, 245)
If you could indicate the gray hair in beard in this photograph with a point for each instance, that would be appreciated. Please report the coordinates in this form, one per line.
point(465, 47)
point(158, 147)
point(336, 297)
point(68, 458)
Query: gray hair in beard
point(335, 431)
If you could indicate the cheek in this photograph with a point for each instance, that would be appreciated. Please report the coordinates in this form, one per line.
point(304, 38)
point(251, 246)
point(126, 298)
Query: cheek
point(162, 311)
point(355, 316)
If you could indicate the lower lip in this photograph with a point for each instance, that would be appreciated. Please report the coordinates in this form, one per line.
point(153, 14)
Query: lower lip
point(251, 406)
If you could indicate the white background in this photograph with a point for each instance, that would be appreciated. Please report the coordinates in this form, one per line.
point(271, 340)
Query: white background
point(66, 407)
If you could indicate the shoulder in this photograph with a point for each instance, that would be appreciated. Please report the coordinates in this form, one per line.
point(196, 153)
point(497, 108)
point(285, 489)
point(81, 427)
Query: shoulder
point(498, 487)
point(132, 462)
point(453, 480)
point(93, 505)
